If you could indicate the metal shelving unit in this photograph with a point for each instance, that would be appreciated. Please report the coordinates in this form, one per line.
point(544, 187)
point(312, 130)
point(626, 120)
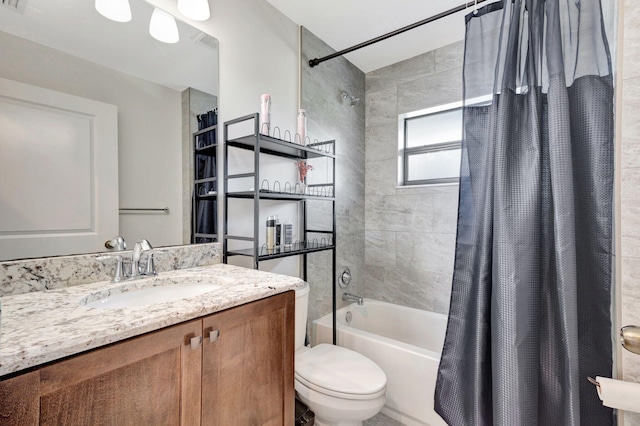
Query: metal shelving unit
point(211, 151)
point(260, 145)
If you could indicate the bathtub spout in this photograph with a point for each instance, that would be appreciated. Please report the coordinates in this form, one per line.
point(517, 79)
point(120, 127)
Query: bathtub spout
point(348, 297)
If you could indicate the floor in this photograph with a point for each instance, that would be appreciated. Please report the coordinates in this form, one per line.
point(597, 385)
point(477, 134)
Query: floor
point(382, 420)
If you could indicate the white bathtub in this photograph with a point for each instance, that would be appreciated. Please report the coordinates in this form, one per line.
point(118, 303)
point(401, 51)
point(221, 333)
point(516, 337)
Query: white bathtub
point(405, 342)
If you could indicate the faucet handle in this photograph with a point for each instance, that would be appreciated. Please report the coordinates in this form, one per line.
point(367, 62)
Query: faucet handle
point(140, 248)
point(151, 266)
point(120, 272)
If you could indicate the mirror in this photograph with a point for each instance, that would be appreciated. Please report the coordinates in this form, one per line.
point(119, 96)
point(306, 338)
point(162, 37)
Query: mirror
point(68, 47)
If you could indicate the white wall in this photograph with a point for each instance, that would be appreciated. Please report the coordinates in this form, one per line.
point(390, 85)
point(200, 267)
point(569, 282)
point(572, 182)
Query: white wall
point(258, 53)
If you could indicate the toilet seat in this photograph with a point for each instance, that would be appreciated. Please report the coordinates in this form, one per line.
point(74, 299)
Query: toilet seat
point(339, 372)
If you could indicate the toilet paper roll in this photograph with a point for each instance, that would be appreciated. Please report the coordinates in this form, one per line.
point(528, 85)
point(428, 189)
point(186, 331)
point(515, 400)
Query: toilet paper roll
point(619, 394)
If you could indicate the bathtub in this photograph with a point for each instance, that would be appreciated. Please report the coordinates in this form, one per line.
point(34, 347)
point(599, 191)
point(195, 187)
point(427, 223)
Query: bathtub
point(405, 342)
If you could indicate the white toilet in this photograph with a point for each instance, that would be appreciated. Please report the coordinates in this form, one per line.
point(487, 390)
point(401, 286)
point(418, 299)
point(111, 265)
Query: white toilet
point(342, 387)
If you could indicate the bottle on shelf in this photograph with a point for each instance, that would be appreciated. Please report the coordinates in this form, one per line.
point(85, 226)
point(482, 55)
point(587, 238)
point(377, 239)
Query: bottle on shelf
point(302, 127)
point(287, 235)
point(278, 234)
point(271, 234)
point(265, 114)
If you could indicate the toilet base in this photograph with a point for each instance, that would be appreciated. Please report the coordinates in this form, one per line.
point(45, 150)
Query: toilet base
point(331, 411)
point(327, 423)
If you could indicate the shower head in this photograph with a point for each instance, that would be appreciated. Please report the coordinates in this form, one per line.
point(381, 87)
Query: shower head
point(353, 101)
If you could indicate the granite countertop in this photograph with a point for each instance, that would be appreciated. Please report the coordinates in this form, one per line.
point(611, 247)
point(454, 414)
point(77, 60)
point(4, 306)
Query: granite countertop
point(43, 326)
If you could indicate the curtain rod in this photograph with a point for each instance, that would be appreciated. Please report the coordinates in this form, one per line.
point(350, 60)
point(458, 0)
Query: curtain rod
point(317, 61)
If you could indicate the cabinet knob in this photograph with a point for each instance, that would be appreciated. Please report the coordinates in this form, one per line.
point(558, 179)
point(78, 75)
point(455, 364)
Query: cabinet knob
point(214, 335)
point(196, 342)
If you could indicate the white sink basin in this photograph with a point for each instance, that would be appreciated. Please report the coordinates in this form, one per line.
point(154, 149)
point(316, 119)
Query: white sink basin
point(151, 295)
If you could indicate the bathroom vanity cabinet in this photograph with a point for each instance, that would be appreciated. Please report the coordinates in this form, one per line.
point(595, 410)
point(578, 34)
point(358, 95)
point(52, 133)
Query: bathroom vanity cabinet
point(231, 367)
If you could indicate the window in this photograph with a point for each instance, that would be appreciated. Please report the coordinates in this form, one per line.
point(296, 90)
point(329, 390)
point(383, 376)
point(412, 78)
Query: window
point(429, 145)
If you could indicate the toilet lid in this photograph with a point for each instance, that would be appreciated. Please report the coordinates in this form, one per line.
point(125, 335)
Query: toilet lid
point(338, 371)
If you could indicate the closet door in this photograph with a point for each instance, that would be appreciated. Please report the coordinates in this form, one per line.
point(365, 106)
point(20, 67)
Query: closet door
point(58, 172)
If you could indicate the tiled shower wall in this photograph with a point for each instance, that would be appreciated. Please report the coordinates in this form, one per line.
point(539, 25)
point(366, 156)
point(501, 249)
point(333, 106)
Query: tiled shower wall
point(630, 170)
point(409, 232)
point(331, 117)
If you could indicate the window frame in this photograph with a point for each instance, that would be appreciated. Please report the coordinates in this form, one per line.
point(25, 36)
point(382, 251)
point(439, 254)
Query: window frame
point(404, 153)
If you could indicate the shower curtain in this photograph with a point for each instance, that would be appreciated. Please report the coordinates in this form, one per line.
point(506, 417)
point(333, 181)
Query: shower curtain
point(207, 209)
point(529, 319)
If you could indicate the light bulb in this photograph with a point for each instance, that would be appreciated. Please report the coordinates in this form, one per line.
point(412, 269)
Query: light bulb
point(163, 27)
point(198, 10)
point(116, 10)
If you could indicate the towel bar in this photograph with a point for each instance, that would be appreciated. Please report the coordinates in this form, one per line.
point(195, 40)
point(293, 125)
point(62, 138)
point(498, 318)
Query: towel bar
point(164, 210)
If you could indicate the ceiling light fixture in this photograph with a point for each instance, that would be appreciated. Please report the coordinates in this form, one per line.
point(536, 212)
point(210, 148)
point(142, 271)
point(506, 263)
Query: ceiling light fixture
point(198, 10)
point(116, 10)
point(163, 27)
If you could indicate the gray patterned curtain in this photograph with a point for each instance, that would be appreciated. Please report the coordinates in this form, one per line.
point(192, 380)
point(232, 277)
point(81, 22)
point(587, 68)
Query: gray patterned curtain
point(530, 307)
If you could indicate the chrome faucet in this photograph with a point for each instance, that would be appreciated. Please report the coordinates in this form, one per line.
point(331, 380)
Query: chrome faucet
point(141, 247)
point(348, 297)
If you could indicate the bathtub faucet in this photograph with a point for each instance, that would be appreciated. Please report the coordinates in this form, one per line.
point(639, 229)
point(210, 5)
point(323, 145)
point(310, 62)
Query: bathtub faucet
point(348, 297)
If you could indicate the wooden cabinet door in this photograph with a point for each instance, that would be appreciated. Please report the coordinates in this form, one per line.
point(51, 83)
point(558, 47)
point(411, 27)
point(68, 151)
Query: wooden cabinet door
point(248, 373)
point(19, 400)
point(154, 379)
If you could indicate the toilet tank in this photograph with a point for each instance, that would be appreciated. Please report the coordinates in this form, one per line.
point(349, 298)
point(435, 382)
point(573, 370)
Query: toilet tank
point(302, 310)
